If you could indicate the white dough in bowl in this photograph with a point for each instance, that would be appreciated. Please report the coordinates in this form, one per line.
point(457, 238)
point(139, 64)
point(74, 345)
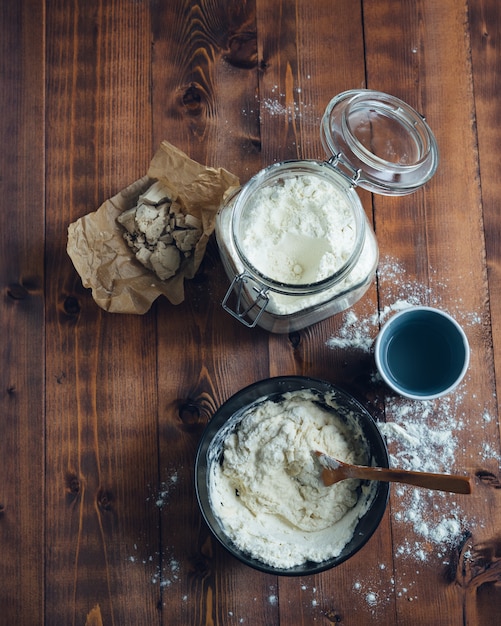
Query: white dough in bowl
point(266, 490)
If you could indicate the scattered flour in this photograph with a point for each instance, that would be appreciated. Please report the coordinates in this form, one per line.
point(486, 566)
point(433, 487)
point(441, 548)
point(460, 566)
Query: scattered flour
point(378, 588)
point(358, 333)
point(371, 598)
point(421, 436)
point(163, 568)
point(166, 487)
point(274, 107)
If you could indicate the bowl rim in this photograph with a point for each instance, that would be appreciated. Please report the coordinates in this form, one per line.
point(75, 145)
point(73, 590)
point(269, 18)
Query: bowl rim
point(276, 386)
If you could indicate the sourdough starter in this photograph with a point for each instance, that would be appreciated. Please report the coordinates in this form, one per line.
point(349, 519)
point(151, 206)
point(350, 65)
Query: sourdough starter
point(267, 493)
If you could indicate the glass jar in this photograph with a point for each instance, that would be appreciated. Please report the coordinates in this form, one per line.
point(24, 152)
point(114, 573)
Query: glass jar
point(295, 240)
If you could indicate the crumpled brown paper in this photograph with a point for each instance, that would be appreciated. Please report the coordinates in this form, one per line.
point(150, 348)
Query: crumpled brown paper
point(119, 283)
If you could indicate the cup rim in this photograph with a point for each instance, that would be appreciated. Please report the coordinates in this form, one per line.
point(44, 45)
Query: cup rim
point(406, 393)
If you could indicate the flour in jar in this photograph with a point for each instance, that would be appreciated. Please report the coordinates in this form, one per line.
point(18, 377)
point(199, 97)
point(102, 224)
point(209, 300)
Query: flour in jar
point(305, 234)
point(300, 231)
point(267, 492)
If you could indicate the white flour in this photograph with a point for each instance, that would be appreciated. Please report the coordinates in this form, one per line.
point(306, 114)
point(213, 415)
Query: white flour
point(268, 495)
point(421, 436)
point(300, 231)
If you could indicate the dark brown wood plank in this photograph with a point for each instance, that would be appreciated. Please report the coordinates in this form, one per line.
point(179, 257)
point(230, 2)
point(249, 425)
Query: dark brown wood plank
point(426, 232)
point(102, 469)
point(205, 82)
point(324, 58)
point(208, 75)
point(309, 52)
point(22, 106)
point(485, 31)
point(101, 413)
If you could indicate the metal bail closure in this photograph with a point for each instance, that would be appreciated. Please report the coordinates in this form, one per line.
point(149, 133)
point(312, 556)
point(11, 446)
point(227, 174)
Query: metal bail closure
point(243, 307)
point(347, 171)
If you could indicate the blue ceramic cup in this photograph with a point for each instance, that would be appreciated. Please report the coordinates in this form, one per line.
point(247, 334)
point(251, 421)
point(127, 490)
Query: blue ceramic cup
point(422, 353)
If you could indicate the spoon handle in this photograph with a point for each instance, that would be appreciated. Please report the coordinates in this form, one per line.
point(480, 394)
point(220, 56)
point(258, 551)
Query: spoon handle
point(440, 482)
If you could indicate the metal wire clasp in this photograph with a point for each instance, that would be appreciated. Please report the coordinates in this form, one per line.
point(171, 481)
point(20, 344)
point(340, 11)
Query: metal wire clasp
point(243, 307)
point(346, 170)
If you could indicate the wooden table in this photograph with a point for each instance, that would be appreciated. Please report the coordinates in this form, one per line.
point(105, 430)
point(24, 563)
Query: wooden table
point(101, 413)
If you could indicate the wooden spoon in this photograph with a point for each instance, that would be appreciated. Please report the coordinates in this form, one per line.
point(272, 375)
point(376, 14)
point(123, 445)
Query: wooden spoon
point(333, 471)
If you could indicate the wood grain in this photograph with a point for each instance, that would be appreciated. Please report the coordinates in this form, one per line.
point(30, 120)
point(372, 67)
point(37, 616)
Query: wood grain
point(102, 467)
point(101, 413)
point(421, 230)
point(22, 278)
point(480, 580)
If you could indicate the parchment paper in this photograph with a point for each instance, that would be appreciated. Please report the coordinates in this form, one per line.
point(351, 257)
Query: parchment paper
point(105, 263)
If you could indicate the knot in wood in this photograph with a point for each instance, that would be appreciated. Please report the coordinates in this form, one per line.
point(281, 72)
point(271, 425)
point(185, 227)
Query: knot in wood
point(192, 100)
point(72, 486)
point(71, 306)
point(17, 291)
point(105, 500)
point(190, 414)
point(489, 479)
point(333, 616)
point(295, 339)
point(481, 564)
point(242, 50)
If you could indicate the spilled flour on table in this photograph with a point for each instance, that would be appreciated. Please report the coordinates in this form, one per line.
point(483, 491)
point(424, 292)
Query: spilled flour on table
point(359, 333)
point(163, 568)
point(161, 496)
point(435, 517)
point(421, 436)
point(377, 589)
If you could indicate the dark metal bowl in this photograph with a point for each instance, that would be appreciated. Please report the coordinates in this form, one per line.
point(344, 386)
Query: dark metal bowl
point(273, 388)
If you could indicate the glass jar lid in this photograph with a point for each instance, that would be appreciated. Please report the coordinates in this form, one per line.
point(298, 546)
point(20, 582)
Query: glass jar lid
point(384, 144)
